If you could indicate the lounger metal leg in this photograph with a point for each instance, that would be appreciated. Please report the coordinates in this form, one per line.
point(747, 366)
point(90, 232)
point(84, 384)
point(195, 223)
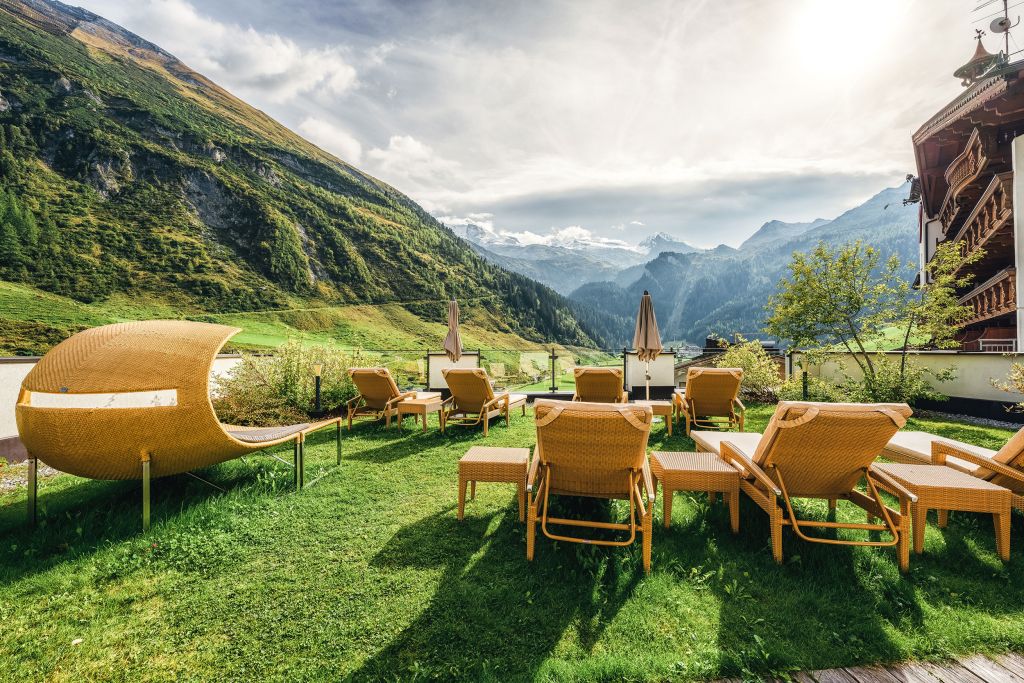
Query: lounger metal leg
point(33, 489)
point(145, 494)
point(295, 463)
point(302, 464)
point(339, 441)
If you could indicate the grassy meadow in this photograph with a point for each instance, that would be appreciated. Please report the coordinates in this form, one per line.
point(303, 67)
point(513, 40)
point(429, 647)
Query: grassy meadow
point(367, 575)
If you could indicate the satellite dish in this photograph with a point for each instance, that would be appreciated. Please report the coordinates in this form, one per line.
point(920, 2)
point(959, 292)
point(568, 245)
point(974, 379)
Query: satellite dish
point(1000, 25)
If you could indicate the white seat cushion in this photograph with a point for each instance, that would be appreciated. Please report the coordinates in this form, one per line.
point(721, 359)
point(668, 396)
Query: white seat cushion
point(709, 441)
point(917, 447)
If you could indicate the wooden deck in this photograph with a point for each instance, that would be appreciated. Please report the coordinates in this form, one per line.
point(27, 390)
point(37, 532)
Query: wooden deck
point(1008, 668)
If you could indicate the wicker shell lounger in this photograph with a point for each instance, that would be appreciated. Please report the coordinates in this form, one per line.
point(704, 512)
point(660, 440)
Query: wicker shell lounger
point(595, 450)
point(132, 401)
point(599, 385)
point(824, 450)
point(711, 399)
point(378, 397)
point(473, 399)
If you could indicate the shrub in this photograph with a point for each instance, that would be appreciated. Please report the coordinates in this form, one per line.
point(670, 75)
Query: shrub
point(1014, 383)
point(760, 373)
point(817, 390)
point(279, 388)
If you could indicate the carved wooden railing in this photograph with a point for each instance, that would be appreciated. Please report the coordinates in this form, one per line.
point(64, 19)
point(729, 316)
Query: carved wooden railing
point(964, 170)
point(993, 298)
point(992, 216)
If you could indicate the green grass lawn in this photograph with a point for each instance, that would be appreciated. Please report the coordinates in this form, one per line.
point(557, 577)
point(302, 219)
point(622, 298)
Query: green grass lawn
point(367, 575)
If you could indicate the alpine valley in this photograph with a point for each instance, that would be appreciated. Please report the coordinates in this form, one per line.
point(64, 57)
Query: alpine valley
point(133, 187)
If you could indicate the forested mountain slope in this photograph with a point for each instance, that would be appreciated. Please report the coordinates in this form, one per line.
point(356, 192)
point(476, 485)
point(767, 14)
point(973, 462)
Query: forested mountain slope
point(126, 174)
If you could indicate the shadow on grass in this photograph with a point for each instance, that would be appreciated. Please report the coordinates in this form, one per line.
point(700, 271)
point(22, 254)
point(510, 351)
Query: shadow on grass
point(77, 517)
point(494, 615)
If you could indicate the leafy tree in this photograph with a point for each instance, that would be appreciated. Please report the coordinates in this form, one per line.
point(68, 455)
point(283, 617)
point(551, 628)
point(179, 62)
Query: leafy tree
point(761, 378)
point(848, 297)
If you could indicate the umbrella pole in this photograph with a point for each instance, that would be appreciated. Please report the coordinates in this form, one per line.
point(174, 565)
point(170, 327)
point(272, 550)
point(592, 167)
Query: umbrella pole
point(648, 380)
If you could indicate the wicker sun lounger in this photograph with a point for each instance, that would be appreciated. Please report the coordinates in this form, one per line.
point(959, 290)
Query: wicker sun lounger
point(1004, 467)
point(824, 450)
point(473, 399)
point(594, 450)
point(132, 401)
point(711, 399)
point(599, 385)
point(378, 397)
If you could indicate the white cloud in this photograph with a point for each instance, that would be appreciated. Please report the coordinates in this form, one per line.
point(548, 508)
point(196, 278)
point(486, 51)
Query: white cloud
point(414, 167)
point(240, 58)
point(332, 138)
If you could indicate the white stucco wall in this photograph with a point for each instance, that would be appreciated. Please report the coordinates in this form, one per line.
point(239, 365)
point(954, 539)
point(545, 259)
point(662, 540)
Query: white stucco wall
point(974, 372)
point(663, 371)
point(13, 373)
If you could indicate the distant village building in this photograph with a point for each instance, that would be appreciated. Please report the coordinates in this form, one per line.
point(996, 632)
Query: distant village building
point(966, 167)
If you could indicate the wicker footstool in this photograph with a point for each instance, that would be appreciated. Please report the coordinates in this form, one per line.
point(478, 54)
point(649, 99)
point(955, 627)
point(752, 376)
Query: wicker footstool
point(697, 472)
point(942, 488)
point(482, 463)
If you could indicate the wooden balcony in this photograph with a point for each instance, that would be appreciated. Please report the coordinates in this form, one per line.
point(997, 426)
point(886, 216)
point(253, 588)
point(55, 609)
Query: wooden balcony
point(993, 298)
point(989, 226)
point(962, 178)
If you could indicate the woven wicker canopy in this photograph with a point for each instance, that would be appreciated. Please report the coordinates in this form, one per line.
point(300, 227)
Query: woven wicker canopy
point(168, 356)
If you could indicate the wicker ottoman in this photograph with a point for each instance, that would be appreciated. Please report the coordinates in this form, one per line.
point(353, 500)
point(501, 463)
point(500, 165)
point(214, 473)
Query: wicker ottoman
point(482, 463)
point(697, 472)
point(942, 488)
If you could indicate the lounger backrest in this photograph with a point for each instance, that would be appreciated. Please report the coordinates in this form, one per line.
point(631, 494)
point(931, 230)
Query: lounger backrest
point(592, 447)
point(821, 449)
point(713, 390)
point(375, 385)
point(1011, 454)
point(598, 385)
point(470, 387)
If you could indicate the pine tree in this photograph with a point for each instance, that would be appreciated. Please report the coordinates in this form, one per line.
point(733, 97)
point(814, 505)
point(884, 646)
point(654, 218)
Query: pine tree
point(10, 250)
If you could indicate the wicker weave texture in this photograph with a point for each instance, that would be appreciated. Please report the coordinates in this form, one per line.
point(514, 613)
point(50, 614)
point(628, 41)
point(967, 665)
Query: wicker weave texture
point(470, 387)
point(599, 385)
point(376, 386)
point(823, 448)
point(711, 391)
point(109, 443)
point(591, 448)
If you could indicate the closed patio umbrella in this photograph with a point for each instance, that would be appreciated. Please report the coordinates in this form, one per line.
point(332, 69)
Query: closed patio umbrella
point(647, 339)
point(453, 342)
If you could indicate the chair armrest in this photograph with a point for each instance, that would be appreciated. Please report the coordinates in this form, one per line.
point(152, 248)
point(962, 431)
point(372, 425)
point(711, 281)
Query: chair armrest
point(739, 404)
point(731, 454)
point(901, 490)
point(353, 401)
point(624, 397)
point(648, 481)
point(941, 450)
point(401, 397)
point(448, 401)
point(531, 476)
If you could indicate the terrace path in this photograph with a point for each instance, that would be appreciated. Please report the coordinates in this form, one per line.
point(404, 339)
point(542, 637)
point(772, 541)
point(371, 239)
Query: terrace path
point(1006, 668)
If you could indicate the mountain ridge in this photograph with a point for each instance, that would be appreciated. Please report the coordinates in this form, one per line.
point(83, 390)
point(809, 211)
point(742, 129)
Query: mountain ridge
point(147, 179)
point(724, 290)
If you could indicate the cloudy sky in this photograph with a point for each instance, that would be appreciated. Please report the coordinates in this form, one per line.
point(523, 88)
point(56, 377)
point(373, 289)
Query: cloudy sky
point(699, 118)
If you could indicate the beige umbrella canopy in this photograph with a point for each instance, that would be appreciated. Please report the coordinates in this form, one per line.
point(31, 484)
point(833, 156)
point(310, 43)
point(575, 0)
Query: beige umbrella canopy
point(453, 342)
point(647, 338)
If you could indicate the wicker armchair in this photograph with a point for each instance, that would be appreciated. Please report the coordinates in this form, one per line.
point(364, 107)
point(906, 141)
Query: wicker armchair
point(824, 450)
point(132, 401)
point(599, 385)
point(711, 399)
point(594, 450)
point(378, 397)
point(473, 399)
